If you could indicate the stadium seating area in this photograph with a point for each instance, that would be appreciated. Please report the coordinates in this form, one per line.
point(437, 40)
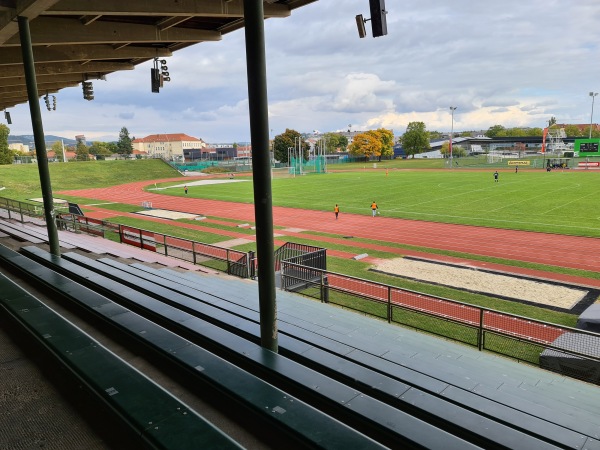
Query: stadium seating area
point(339, 380)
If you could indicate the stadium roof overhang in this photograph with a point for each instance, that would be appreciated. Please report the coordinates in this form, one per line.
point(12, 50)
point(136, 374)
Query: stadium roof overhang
point(66, 42)
point(76, 40)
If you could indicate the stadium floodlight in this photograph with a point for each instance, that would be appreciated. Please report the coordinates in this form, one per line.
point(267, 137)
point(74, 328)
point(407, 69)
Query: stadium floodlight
point(378, 20)
point(452, 109)
point(360, 25)
point(88, 90)
point(155, 80)
point(593, 95)
point(159, 73)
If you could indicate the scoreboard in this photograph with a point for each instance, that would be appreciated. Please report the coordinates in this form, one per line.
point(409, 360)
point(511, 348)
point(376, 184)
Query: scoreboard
point(587, 147)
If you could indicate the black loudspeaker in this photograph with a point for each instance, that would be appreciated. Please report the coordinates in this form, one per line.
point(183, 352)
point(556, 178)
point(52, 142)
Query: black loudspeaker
point(7, 117)
point(360, 24)
point(378, 21)
point(155, 80)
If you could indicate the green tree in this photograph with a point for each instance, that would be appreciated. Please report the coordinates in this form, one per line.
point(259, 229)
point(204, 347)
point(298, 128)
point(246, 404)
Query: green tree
point(415, 139)
point(535, 132)
point(112, 147)
point(82, 152)
point(552, 121)
point(595, 132)
point(124, 146)
point(6, 154)
point(335, 142)
point(495, 131)
point(573, 131)
point(57, 148)
point(100, 149)
point(286, 140)
point(515, 132)
point(457, 150)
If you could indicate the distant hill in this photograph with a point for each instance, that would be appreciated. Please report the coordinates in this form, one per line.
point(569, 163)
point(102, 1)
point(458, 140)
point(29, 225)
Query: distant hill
point(28, 139)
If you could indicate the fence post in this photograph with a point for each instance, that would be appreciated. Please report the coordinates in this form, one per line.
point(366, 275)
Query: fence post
point(248, 262)
point(165, 244)
point(228, 265)
point(194, 252)
point(480, 331)
point(141, 240)
point(120, 233)
point(389, 305)
point(322, 288)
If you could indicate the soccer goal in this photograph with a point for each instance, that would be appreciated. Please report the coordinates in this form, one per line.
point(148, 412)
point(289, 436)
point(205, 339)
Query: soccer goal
point(283, 172)
point(493, 158)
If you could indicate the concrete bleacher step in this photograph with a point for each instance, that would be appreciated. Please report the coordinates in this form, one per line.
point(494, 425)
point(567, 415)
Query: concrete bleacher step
point(428, 349)
point(403, 423)
point(459, 378)
point(108, 381)
point(502, 372)
point(582, 395)
point(9, 229)
point(389, 367)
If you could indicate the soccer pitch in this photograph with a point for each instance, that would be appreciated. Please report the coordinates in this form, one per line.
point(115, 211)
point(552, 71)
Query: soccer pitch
point(562, 202)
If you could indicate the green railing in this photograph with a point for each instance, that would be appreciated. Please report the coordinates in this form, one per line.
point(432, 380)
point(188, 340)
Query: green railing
point(570, 351)
point(233, 262)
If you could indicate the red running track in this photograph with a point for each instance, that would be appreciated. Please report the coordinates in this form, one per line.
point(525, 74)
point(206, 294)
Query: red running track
point(541, 248)
point(544, 248)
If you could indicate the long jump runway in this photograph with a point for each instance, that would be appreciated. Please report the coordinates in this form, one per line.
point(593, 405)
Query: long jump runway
point(541, 248)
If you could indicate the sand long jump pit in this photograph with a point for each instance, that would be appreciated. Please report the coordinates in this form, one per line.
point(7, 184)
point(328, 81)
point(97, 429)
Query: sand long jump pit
point(166, 214)
point(497, 285)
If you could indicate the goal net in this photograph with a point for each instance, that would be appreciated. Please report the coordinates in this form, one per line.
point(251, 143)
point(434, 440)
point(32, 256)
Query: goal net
point(283, 172)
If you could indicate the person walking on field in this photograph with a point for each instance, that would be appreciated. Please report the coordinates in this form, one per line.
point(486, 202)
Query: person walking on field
point(496, 176)
point(185, 189)
point(374, 208)
point(336, 210)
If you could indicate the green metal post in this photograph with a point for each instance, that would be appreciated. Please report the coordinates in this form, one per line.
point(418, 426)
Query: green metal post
point(480, 335)
point(256, 68)
point(389, 305)
point(38, 134)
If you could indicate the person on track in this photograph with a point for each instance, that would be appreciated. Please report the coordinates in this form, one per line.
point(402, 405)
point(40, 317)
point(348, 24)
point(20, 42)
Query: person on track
point(336, 210)
point(374, 208)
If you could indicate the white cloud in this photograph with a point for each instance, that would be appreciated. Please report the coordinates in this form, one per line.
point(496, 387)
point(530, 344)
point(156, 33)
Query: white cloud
point(516, 64)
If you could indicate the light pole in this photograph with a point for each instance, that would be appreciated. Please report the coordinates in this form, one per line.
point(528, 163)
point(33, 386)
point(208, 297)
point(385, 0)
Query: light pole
point(452, 109)
point(592, 94)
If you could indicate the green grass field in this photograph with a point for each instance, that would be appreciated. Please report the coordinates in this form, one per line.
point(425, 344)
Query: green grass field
point(558, 202)
point(22, 181)
point(555, 202)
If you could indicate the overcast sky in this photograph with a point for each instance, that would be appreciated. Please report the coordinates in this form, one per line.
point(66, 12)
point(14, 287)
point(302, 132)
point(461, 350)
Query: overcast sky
point(514, 63)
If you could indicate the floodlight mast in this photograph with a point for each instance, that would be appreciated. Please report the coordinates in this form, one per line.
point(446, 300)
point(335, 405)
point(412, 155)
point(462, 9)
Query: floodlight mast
point(593, 95)
point(378, 20)
point(452, 109)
